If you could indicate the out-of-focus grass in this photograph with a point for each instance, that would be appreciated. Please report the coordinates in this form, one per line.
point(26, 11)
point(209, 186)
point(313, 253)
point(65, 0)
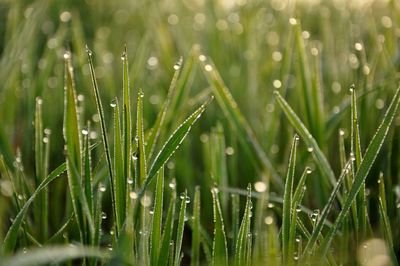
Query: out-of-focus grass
point(276, 68)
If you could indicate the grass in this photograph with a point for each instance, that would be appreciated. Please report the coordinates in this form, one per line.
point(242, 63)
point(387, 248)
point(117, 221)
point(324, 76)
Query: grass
point(245, 133)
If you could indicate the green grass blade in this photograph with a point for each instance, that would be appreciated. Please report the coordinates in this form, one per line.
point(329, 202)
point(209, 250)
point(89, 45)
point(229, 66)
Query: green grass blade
point(287, 248)
point(244, 231)
point(119, 174)
point(181, 226)
point(100, 112)
point(172, 144)
point(195, 261)
point(167, 232)
point(157, 218)
point(324, 215)
point(220, 249)
point(369, 157)
point(317, 154)
point(235, 117)
point(160, 120)
point(12, 234)
point(87, 165)
point(141, 154)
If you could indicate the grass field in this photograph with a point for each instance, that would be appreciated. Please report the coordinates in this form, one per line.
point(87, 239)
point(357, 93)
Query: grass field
point(199, 132)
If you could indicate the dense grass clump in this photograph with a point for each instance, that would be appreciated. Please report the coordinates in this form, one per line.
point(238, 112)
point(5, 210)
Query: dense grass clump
point(199, 132)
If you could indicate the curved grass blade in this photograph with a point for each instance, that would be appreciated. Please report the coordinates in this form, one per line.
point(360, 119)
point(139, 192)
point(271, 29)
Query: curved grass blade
point(287, 249)
point(370, 155)
point(235, 117)
point(181, 226)
point(317, 154)
point(172, 144)
point(244, 231)
point(12, 234)
point(53, 255)
point(157, 218)
point(195, 261)
point(220, 249)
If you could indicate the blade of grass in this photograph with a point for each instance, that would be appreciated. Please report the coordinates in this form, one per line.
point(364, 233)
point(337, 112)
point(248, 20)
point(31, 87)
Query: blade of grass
point(157, 218)
point(220, 250)
point(195, 261)
point(181, 225)
point(287, 248)
point(370, 155)
point(12, 233)
point(235, 117)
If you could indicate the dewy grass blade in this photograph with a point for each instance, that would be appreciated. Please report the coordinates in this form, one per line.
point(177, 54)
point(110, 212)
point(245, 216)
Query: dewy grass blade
point(301, 129)
point(12, 234)
point(126, 133)
point(324, 215)
point(235, 117)
point(220, 249)
point(287, 203)
point(195, 260)
point(179, 231)
point(167, 232)
point(244, 231)
point(157, 218)
point(141, 154)
point(119, 174)
point(100, 112)
point(370, 155)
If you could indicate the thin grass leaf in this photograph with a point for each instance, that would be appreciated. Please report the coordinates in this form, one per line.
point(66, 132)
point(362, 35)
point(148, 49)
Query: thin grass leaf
point(12, 234)
point(220, 249)
point(141, 154)
point(181, 226)
point(119, 173)
point(235, 117)
point(235, 219)
point(301, 129)
point(370, 155)
point(161, 116)
point(100, 112)
point(244, 231)
point(195, 260)
point(167, 232)
point(157, 218)
point(53, 255)
point(87, 166)
point(324, 215)
point(287, 247)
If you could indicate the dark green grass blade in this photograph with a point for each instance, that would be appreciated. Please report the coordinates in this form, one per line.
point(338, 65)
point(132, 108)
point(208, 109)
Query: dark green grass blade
point(287, 203)
point(12, 234)
point(220, 249)
point(157, 218)
point(370, 155)
point(167, 232)
point(195, 260)
point(100, 112)
point(317, 154)
point(181, 227)
point(235, 117)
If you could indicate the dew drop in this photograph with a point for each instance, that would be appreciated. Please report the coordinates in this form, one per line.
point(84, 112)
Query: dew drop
point(133, 195)
point(229, 151)
point(113, 103)
point(270, 205)
point(208, 67)
point(268, 220)
point(88, 51)
point(310, 149)
point(182, 195)
point(151, 212)
point(260, 186)
point(308, 171)
point(298, 209)
point(130, 181)
point(202, 58)
point(124, 56)
point(102, 188)
point(67, 55)
point(172, 185)
point(103, 215)
point(187, 200)
point(85, 132)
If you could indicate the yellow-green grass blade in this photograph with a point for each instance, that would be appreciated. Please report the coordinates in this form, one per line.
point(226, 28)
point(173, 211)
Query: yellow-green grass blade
point(370, 155)
point(220, 249)
point(287, 249)
point(12, 233)
point(235, 117)
point(167, 232)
